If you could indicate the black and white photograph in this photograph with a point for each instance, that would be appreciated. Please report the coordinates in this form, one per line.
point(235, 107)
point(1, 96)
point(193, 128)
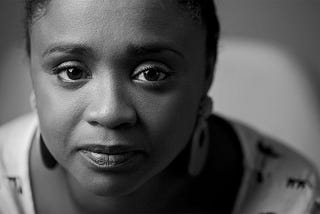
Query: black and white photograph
point(159, 106)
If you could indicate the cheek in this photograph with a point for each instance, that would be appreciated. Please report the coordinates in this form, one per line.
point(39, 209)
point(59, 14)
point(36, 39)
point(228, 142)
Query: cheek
point(170, 120)
point(58, 113)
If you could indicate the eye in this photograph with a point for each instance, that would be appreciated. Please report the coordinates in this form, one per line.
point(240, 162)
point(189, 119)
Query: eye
point(151, 72)
point(72, 72)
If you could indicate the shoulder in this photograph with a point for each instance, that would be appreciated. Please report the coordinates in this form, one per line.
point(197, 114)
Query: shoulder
point(277, 178)
point(257, 145)
point(16, 132)
point(14, 128)
point(15, 140)
point(14, 137)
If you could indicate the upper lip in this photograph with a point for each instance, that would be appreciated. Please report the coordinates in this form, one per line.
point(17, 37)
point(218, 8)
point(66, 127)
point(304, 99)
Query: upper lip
point(110, 150)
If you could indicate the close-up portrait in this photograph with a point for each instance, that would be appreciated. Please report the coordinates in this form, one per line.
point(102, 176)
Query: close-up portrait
point(159, 106)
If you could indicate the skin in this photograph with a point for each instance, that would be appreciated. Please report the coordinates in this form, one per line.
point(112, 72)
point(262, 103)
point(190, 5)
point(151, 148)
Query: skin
point(112, 103)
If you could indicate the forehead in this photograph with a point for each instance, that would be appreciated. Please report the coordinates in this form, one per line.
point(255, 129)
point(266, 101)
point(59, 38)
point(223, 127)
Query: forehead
point(103, 22)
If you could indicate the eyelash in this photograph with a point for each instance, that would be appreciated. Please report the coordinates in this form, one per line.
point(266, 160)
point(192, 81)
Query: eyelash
point(61, 73)
point(161, 73)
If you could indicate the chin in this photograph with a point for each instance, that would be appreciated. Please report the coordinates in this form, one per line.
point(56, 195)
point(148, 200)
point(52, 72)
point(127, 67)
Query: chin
point(115, 189)
point(85, 177)
point(110, 185)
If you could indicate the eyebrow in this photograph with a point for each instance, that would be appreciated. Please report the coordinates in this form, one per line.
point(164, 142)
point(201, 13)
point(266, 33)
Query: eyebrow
point(132, 49)
point(153, 48)
point(76, 49)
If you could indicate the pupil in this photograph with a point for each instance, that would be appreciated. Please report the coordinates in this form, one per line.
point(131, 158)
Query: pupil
point(151, 75)
point(74, 74)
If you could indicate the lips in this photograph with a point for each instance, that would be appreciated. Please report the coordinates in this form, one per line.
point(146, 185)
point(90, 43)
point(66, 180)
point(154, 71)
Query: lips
point(109, 156)
point(108, 160)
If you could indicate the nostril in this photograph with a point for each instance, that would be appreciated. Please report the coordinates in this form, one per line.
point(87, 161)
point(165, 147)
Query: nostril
point(93, 123)
point(123, 125)
point(111, 112)
point(120, 119)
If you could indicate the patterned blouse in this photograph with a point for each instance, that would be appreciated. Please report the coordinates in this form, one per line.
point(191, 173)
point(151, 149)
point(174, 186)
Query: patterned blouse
point(276, 179)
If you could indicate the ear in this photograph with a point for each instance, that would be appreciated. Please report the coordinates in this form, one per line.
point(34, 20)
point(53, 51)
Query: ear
point(210, 71)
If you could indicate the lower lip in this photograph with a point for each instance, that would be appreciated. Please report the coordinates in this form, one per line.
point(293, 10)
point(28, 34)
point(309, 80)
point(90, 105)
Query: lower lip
point(128, 160)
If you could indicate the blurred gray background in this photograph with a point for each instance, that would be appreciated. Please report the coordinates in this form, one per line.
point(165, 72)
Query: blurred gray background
point(268, 71)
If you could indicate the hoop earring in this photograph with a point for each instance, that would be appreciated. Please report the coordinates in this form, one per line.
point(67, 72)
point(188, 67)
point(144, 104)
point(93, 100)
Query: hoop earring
point(200, 139)
point(46, 156)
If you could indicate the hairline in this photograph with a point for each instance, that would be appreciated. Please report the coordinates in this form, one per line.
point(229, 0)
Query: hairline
point(197, 16)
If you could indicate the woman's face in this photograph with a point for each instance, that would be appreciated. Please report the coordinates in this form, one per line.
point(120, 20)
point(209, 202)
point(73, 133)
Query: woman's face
point(117, 84)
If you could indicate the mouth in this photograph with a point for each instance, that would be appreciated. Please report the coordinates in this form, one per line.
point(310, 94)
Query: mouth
point(111, 157)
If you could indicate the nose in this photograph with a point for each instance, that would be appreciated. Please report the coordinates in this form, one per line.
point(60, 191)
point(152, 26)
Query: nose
point(110, 106)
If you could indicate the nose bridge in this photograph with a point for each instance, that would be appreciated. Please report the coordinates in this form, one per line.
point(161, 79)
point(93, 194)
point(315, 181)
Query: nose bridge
point(110, 93)
point(110, 104)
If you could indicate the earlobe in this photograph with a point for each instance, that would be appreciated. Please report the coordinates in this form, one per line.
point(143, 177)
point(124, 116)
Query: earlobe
point(210, 71)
